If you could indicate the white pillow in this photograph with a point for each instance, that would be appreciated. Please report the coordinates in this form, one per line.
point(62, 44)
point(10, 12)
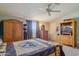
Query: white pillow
point(0, 41)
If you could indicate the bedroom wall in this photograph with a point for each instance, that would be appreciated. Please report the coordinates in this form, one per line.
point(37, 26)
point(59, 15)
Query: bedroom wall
point(10, 17)
point(52, 29)
point(55, 23)
point(21, 19)
point(74, 15)
point(44, 23)
point(33, 23)
point(77, 30)
point(53, 26)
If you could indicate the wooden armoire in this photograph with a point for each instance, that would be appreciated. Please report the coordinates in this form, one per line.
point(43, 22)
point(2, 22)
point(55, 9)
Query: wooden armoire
point(11, 30)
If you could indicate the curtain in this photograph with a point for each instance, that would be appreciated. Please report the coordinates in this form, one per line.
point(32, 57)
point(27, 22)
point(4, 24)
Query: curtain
point(29, 29)
point(34, 29)
point(37, 30)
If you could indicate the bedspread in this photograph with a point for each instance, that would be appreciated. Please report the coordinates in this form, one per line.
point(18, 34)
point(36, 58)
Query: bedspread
point(32, 47)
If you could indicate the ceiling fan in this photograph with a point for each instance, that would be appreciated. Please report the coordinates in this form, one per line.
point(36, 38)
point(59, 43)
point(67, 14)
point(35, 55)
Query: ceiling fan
point(49, 9)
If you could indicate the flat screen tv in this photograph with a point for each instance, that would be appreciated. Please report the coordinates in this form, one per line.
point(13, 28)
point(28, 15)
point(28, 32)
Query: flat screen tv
point(66, 29)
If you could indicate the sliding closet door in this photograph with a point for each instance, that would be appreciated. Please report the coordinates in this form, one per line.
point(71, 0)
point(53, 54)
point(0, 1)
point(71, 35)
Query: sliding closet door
point(8, 31)
point(18, 31)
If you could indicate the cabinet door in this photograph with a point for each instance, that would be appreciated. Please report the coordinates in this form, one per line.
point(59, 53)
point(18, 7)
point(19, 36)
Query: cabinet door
point(18, 31)
point(8, 31)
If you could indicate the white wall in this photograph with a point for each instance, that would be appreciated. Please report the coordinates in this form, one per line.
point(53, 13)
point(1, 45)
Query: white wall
point(74, 15)
point(11, 17)
point(71, 15)
point(52, 31)
point(55, 23)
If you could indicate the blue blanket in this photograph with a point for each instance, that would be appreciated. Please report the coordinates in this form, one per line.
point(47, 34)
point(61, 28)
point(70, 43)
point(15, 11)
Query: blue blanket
point(10, 50)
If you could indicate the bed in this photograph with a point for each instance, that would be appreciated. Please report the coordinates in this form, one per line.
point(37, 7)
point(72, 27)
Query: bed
point(33, 47)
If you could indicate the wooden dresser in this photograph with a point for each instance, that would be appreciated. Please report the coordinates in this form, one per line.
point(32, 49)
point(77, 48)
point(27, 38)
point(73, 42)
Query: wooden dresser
point(44, 35)
point(11, 30)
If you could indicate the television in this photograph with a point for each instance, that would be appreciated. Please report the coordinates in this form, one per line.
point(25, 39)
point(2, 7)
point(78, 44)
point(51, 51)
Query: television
point(66, 30)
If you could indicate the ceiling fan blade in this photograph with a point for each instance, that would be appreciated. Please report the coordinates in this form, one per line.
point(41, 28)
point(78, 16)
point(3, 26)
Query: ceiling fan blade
point(49, 5)
point(49, 13)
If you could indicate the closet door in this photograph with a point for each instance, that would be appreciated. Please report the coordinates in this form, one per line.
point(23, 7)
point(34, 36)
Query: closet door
point(7, 31)
point(18, 31)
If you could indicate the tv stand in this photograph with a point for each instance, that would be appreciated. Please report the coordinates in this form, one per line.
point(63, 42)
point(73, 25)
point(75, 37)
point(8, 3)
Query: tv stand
point(68, 38)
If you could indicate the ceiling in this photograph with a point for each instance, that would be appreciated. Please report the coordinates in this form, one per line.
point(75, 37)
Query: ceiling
point(36, 11)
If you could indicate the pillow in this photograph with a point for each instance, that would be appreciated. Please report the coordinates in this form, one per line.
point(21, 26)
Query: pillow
point(0, 41)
